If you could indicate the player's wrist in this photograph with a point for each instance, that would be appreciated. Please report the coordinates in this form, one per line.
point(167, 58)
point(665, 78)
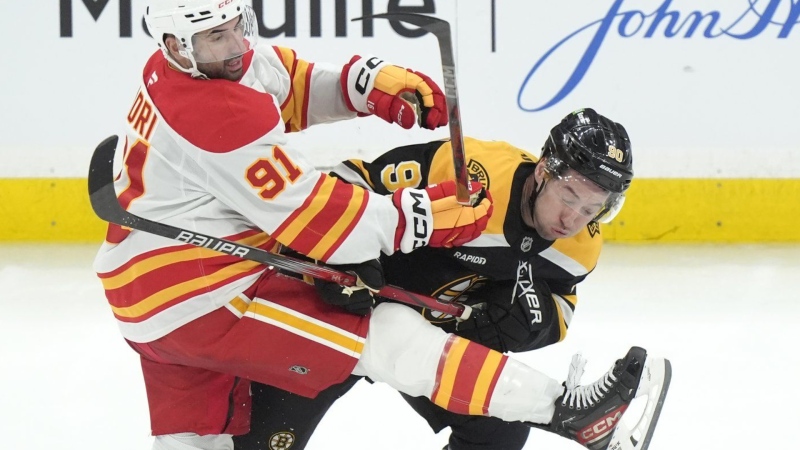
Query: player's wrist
point(415, 223)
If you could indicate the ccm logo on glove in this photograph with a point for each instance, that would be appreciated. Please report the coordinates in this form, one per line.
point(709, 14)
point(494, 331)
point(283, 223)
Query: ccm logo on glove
point(362, 81)
point(432, 216)
point(420, 215)
point(397, 95)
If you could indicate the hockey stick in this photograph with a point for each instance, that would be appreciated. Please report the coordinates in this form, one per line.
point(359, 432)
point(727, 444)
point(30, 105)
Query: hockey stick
point(104, 202)
point(441, 29)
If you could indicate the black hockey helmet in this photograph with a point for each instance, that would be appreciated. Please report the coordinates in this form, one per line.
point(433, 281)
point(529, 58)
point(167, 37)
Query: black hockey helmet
point(595, 147)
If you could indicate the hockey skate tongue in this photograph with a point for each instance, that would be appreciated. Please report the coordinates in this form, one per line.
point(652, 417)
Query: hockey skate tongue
point(576, 368)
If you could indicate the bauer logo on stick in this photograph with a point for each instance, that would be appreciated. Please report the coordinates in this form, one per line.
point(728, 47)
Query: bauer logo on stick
point(212, 243)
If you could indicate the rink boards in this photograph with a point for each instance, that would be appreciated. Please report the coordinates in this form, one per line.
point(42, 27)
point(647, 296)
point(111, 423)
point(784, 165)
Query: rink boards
point(656, 210)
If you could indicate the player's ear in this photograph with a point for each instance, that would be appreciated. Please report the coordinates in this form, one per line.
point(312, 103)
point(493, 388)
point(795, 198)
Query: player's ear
point(174, 48)
point(539, 170)
point(171, 42)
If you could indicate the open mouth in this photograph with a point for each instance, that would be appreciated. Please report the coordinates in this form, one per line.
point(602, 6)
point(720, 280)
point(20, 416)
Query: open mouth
point(234, 63)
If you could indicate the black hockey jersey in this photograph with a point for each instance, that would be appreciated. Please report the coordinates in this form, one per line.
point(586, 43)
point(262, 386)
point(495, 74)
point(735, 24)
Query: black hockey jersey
point(507, 250)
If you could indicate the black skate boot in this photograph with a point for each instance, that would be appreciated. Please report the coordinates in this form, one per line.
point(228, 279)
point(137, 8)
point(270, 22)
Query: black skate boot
point(591, 414)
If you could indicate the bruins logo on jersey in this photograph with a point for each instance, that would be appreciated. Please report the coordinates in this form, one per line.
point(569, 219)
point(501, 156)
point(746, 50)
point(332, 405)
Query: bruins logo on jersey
point(282, 440)
point(594, 228)
point(475, 168)
point(450, 293)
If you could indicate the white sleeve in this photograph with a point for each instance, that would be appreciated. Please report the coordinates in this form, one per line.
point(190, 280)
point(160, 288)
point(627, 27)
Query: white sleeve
point(318, 215)
point(308, 93)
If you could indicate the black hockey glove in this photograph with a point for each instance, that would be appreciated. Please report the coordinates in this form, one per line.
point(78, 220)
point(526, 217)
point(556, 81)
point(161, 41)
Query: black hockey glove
point(356, 299)
point(511, 317)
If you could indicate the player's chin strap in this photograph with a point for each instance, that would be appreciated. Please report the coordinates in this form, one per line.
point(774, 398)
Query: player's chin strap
point(194, 72)
point(537, 188)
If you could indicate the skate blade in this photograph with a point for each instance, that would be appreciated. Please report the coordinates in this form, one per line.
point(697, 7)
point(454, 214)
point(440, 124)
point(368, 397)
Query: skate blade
point(656, 377)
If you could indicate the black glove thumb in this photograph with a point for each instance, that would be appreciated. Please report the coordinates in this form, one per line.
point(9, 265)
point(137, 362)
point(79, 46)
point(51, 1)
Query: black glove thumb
point(356, 299)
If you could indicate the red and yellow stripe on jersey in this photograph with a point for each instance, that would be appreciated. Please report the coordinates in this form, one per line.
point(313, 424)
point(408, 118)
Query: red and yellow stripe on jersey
point(294, 109)
point(325, 219)
point(466, 376)
point(156, 280)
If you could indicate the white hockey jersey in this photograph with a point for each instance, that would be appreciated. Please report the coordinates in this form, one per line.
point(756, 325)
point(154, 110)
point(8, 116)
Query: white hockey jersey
point(209, 156)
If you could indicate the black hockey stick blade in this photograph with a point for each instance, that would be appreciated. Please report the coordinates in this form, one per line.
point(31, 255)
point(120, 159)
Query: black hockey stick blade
point(101, 178)
point(105, 204)
point(441, 29)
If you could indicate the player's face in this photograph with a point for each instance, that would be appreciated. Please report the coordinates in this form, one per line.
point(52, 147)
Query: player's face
point(219, 51)
point(566, 204)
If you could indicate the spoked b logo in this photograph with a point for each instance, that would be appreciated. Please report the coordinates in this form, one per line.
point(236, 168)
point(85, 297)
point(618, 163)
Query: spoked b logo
point(282, 440)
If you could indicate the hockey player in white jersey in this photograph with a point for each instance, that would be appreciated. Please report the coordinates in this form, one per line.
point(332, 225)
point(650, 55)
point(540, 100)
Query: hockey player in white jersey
point(205, 150)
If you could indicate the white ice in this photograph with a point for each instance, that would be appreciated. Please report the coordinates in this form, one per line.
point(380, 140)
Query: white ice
point(728, 317)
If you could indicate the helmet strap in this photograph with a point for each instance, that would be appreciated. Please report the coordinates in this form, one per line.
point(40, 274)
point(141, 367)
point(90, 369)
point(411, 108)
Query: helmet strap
point(537, 188)
point(185, 53)
point(193, 71)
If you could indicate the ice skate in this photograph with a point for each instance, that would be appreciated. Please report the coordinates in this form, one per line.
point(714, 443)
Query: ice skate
point(591, 414)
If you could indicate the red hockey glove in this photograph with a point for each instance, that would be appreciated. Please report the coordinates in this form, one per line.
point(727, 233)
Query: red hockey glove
point(396, 95)
point(432, 216)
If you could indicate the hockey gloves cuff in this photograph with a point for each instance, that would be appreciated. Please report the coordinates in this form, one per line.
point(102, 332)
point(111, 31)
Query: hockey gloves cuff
point(396, 95)
point(432, 216)
point(356, 299)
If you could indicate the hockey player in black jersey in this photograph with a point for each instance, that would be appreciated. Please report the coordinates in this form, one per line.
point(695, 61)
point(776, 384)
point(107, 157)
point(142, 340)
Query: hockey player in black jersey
point(520, 277)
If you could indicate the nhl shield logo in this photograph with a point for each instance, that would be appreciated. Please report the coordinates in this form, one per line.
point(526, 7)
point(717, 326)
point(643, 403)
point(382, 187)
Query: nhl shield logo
point(527, 243)
point(299, 369)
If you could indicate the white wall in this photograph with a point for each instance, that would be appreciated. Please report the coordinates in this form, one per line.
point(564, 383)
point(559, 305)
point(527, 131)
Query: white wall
point(696, 106)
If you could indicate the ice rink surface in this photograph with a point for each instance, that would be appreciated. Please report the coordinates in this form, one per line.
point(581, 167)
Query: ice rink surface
point(727, 316)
